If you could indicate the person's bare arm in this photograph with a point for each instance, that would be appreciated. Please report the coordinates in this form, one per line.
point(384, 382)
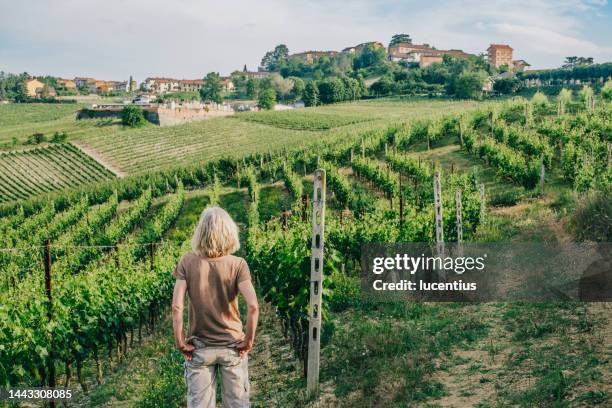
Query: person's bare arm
point(250, 297)
point(178, 300)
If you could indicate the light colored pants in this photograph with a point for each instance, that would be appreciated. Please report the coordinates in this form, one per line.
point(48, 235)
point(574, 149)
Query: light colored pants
point(201, 377)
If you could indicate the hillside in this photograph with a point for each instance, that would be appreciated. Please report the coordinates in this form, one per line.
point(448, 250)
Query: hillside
point(40, 170)
point(136, 151)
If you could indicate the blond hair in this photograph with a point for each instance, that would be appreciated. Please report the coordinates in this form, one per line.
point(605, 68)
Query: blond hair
point(216, 234)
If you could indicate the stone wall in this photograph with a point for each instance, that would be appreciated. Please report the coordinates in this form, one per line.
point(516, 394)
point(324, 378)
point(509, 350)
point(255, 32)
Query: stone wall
point(163, 115)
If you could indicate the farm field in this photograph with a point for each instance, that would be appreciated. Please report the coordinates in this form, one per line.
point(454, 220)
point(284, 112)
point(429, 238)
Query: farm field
point(142, 150)
point(40, 170)
point(373, 354)
point(136, 151)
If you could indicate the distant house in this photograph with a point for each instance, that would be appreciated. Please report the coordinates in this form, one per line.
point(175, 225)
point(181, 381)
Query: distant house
point(311, 56)
point(252, 74)
point(407, 51)
point(423, 54)
point(34, 88)
point(67, 83)
point(426, 59)
point(500, 54)
point(520, 65)
point(89, 84)
point(164, 85)
point(360, 47)
point(117, 86)
point(227, 84)
point(190, 85)
point(160, 85)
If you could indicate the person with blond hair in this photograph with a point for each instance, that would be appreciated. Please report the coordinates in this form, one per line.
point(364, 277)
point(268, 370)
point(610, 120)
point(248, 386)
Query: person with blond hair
point(212, 278)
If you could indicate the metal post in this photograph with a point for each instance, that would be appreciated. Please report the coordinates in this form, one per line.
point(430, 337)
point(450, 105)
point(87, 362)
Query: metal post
point(437, 187)
point(316, 283)
point(482, 204)
point(50, 361)
point(459, 223)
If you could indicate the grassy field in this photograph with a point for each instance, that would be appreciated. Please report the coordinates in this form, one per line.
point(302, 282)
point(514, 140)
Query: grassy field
point(129, 151)
point(153, 148)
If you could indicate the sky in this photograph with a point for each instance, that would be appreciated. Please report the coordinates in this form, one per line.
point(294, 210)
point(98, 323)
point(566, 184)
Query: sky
point(113, 39)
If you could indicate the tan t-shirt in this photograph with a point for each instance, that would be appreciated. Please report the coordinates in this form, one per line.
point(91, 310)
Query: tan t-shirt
point(212, 286)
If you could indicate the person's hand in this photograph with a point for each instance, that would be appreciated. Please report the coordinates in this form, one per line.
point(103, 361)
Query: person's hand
point(244, 347)
point(187, 350)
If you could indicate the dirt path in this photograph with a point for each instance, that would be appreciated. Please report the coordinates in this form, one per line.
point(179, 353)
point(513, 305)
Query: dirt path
point(94, 154)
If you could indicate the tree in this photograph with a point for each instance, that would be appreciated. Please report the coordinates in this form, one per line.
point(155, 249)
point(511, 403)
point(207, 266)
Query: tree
point(282, 86)
point(298, 88)
point(606, 91)
point(400, 38)
point(369, 57)
point(311, 94)
point(382, 87)
point(267, 99)
point(132, 116)
point(331, 90)
point(507, 86)
point(468, 85)
point(274, 58)
point(252, 88)
point(575, 61)
point(211, 90)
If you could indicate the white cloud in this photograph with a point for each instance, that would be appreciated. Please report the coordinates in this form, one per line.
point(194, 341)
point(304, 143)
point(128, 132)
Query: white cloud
point(187, 38)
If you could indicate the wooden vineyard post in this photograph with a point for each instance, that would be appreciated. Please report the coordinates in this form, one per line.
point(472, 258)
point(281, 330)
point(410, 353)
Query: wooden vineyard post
point(304, 207)
point(386, 149)
point(362, 150)
point(437, 187)
point(50, 362)
point(461, 132)
point(352, 154)
point(482, 204)
point(459, 223)
point(152, 254)
point(542, 170)
point(316, 283)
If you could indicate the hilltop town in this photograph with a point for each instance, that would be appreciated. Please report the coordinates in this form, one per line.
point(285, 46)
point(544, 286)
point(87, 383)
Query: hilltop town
point(405, 52)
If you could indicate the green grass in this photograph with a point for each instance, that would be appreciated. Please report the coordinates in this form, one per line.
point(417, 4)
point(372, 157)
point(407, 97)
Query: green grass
point(20, 114)
point(301, 119)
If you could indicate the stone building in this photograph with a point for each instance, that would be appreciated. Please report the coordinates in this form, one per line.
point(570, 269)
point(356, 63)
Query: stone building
point(500, 54)
point(360, 47)
point(34, 87)
point(311, 56)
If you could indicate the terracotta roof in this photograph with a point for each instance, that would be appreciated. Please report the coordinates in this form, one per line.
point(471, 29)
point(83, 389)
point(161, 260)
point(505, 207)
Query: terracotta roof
point(499, 46)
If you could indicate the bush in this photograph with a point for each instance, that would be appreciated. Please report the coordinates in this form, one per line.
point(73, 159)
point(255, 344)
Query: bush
point(606, 91)
point(59, 137)
point(132, 116)
point(36, 138)
point(593, 218)
point(267, 99)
